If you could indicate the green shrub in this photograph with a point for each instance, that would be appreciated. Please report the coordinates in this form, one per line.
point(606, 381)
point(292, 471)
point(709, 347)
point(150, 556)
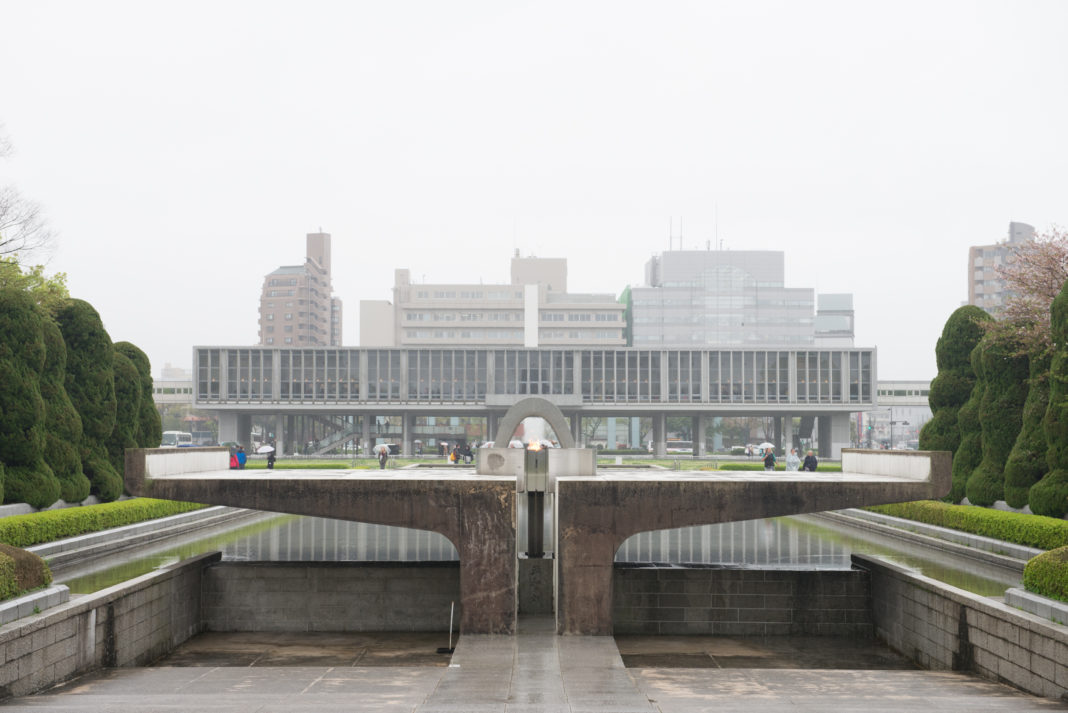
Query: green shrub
point(149, 430)
point(1003, 369)
point(63, 425)
point(952, 387)
point(28, 478)
point(29, 571)
point(1049, 496)
point(1027, 461)
point(51, 525)
point(1045, 533)
point(1047, 574)
point(970, 451)
point(127, 411)
point(90, 384)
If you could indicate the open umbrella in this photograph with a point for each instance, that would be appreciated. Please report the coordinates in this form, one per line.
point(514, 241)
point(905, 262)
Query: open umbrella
point(765, 445)
point(381, 448)
point(265, 449)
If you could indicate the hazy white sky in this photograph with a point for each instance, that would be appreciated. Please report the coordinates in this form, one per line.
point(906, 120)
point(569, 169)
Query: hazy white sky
point(182, 150)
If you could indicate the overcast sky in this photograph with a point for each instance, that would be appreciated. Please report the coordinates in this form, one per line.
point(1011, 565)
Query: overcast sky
point(183, 150)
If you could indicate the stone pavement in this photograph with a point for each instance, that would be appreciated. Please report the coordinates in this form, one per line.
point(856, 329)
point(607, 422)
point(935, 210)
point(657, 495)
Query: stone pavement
point(534, 671)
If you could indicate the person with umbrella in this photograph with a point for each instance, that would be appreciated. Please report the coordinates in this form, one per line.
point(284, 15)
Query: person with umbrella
point(241, 457)
point(383, 455)
point(269, 450)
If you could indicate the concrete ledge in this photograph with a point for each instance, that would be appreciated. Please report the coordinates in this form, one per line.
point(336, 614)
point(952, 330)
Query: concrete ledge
point(985, 549)
point(91, 544)
point(129, 624)
point(33, 603)
point(914, 465)
point(1038, 605)
point(941, 627)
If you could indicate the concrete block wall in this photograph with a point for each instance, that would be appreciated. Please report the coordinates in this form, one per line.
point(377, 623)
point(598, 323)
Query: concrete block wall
point(944, 628)
point(740, 602)
point(330, 596)
point(129, 624)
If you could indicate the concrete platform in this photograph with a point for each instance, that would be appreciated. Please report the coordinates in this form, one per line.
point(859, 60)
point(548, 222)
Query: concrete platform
point(533, 671)
point(594, 513)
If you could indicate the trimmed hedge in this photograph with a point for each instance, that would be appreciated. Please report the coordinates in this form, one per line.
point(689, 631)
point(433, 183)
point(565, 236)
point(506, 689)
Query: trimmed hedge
point(1047, 574)
point(51, 525)
point(1045, 533)
point(21, 571)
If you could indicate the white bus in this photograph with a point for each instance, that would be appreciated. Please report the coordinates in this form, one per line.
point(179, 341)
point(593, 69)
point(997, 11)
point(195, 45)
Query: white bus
point(176, 439)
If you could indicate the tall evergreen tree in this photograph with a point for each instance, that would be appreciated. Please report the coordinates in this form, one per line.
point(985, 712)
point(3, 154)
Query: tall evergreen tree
point(28, 478)
point(90, 384)
point(970, 450)
point(127, 410)
point(63, 425)
point(1003, 369)
point(1049, 496)
point(1027, 461)
point(149, 429)
point(951, 389)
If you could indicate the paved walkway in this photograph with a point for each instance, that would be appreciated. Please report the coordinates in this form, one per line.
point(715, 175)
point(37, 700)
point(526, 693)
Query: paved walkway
point(534, 671)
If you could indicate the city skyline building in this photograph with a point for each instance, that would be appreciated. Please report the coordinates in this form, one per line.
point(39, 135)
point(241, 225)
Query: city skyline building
point(298, 307)
point(731, 298)
point(533, 309)
point(986, 288)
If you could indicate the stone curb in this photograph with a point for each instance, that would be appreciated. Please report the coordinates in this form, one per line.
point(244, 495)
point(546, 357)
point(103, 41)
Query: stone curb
point(33, 603)
point(1038, 605)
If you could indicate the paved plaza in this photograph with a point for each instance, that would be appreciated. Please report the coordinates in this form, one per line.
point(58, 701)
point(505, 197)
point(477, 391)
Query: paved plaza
point(534, 671)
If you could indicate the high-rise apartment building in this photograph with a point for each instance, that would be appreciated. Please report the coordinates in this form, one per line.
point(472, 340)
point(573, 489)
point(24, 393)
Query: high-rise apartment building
point(986, 289)
point(534, 309)
point(297, 305)
point(732, 297)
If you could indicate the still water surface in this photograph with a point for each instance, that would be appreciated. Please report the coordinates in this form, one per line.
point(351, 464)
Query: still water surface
point(789, 542)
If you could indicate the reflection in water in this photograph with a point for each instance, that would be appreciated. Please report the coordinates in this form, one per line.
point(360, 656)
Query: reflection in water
point(805, 542)
point(316, 539)
point(279, 538)
point(782, 542)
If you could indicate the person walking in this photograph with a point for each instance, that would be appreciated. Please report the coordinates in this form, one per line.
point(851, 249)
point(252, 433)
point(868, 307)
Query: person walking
point(241, 457)
point(769, 459)
point(793, 462)
point(810, 463)
point(383, 457)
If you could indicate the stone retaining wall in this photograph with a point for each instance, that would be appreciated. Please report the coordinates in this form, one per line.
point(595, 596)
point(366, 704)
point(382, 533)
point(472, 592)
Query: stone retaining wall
point(944, 628)
point(330, 596)
point(129, 624)
point(741, 602)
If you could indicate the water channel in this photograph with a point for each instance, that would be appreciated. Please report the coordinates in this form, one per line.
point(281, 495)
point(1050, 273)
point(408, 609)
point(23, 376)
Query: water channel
point(786, 542)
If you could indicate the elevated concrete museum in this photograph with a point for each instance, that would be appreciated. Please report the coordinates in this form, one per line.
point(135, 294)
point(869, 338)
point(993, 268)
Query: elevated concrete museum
point(819, 386)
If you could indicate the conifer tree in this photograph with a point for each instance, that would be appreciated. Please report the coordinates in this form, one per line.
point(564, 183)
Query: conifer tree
point(90, 384)
point(27, 476)
point(951, 389)
point(1003, 370)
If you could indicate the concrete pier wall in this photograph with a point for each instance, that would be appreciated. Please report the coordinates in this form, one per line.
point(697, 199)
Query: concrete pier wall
point(741, 602)
point(944, 628)
point(330, 596)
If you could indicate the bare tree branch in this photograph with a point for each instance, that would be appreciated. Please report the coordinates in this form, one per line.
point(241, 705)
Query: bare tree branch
point(22, 227)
